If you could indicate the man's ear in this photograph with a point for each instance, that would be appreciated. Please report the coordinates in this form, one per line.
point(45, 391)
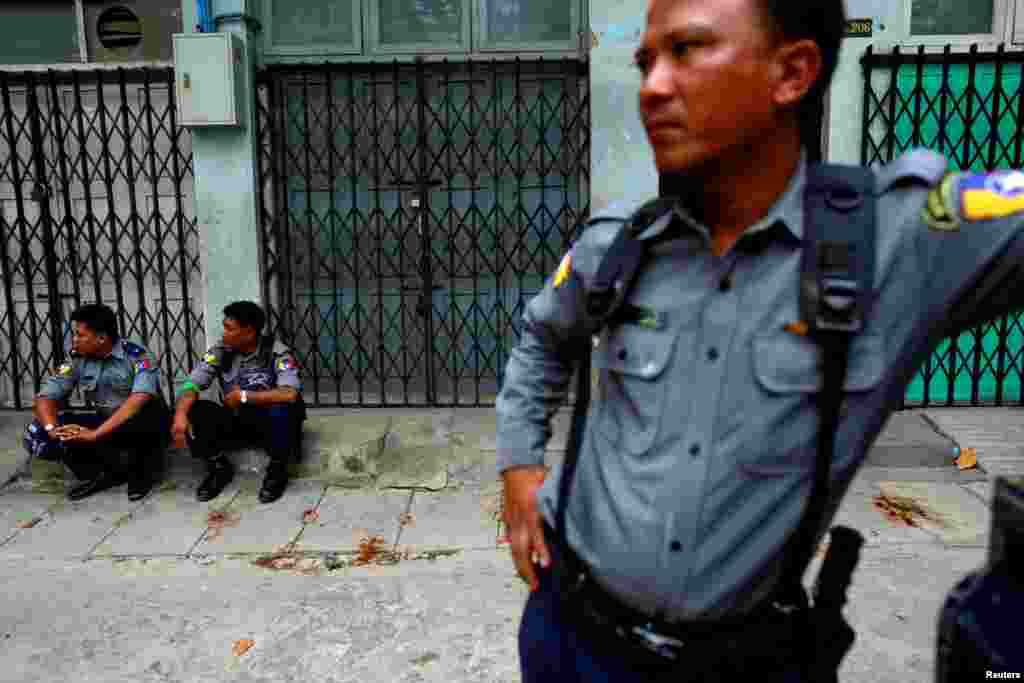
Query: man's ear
point(799, 64)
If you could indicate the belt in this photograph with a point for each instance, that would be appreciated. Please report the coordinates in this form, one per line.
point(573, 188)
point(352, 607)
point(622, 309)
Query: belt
point(763, 628)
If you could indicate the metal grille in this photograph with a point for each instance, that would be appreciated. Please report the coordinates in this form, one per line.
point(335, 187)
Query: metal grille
point(966, 106)
point(409, 211)
point(95, 205)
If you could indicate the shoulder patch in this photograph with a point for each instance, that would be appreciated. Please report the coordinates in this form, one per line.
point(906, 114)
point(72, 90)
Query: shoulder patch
point(133, 349)
point(287, 362)
point(211, 357)
point(993, 195)
point(63, 370)
point(940, 212)
point(564, 270)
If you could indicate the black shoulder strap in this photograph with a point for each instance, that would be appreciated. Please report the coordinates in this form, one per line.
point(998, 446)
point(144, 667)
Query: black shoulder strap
point(836, 290)
point(615, 276)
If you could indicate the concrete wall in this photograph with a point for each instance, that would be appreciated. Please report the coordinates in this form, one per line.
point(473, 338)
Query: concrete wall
point(622, 166)
point(846, 100)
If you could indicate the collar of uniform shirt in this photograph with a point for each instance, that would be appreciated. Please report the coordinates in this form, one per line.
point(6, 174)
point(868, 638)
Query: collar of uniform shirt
point(117, 350)
point(259, 347)
point(788, 210)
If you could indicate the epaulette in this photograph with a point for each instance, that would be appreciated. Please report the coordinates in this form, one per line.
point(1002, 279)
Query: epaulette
point(919, 165)
point(133, 349)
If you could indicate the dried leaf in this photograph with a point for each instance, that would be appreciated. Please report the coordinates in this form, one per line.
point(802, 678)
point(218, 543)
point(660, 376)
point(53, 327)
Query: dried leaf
point(406, 519)
point(369, 550)
point(242, 646)
point(29, 523)
point(968, 459)
point(310, 516)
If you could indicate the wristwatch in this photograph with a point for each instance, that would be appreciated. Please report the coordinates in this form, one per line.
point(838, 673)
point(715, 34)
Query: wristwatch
point(245, 396)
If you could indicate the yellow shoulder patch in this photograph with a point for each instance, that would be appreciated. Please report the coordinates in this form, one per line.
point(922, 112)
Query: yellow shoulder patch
point(64, 370)
point(939, 213)
point(210, 359)
point(564, 270)
point(990, 196)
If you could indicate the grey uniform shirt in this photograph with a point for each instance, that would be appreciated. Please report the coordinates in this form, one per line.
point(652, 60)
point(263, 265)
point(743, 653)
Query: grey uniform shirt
point(700, 442)
point(263, 369)
point(105, 383)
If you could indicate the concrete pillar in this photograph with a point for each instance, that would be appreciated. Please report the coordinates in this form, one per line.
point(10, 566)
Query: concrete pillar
point(846, 97)
point(622, 165)
point(224, 159)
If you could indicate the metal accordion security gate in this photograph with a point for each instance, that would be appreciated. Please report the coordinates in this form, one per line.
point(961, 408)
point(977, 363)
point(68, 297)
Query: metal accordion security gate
point(96, 205)
point(409, 211)
point(967, 106)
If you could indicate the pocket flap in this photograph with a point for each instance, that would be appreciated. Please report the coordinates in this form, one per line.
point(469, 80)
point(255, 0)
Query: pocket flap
point(785, 362)
point(635, 351)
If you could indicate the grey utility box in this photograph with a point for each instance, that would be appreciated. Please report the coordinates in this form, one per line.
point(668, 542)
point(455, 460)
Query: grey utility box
point(208, 76)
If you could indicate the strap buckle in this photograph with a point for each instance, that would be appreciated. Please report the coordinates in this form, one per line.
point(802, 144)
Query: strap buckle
point(661, 645)
point(839, 306)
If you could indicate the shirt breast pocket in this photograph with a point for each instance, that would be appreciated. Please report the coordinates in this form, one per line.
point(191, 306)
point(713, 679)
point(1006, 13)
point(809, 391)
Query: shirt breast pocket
point(632, 362)
point(120, 381)
point(790, 379)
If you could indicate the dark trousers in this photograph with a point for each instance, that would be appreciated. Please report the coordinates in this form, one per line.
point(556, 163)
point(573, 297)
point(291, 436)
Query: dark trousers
point(276, 428)
point(133, 451)
point(555, 648)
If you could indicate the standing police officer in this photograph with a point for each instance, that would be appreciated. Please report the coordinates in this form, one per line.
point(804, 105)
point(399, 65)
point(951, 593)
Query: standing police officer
point(699, 450)
point(118, 436)
point(262, 403)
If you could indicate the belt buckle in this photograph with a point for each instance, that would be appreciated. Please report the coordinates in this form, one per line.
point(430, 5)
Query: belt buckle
point(661, 645)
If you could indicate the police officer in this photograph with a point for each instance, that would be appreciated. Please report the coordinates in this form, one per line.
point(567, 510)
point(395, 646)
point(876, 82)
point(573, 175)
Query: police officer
point(699, 448)
point(119, 435)
point(262, 403)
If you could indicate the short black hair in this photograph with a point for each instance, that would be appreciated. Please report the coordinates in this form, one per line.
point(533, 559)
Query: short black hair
point(823, 21)
point(247, 314)
point(99, 318)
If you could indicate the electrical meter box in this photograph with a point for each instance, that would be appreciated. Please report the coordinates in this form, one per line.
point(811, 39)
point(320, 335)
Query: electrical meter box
point(208, 74)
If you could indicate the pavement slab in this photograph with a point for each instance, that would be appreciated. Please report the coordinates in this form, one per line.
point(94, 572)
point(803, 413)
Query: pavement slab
point(996, 433)
point(170, 522)
point(72, 529)
point(451, 519)
point(256, 527)
point(346, 516)
point(858, 511)
point(956, 516)
point(19, 509)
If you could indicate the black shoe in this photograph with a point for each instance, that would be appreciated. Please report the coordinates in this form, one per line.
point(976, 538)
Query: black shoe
point(221, 473)
point(139, 487)
point(274, 482)
point(101, 482)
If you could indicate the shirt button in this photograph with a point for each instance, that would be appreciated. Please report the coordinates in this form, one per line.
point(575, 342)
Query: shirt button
point(712, 354)
point(676, 546)
point(695, 450)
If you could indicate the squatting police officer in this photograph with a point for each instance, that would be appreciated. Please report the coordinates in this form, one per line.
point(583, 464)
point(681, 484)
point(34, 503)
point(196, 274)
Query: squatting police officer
point(699, 449)
point(119, 434)
point(262, 403)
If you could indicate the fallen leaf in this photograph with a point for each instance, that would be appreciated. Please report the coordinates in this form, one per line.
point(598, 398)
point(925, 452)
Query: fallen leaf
point(968, 459)
point(406, 519)
point(29, 523)
point(310, 516)
point(369, 550)
point(242, 646)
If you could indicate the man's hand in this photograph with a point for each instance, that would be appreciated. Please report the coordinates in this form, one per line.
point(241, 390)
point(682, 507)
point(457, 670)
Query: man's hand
point(233, 399)
point(79, 435)
point(524, 521)
point(179, 430)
